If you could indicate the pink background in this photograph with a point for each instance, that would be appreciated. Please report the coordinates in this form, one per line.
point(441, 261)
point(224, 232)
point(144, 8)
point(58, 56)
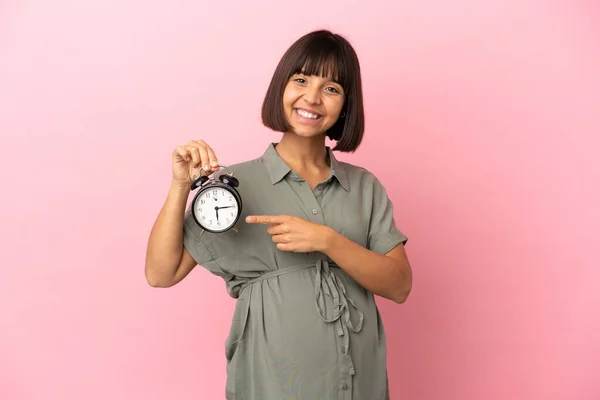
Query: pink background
point(483, 122)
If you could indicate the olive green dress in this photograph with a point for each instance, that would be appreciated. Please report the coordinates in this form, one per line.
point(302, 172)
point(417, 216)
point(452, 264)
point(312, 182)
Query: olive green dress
point(302, 328)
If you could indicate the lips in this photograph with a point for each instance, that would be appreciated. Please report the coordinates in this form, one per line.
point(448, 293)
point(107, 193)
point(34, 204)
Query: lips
point(308, 114)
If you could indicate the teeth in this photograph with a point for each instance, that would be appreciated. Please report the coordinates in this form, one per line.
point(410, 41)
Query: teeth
point(306, 114)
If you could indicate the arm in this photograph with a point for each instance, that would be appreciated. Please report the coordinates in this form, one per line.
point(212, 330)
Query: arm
point(380, 266)
point(167, 261)
point(388, 275)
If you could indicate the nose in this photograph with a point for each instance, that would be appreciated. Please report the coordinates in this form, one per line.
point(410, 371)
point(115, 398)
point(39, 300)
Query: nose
point(312, 95)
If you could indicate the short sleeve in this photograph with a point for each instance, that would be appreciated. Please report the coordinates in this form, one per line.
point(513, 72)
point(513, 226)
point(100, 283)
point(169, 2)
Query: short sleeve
point(192, 241)
point(384, 235)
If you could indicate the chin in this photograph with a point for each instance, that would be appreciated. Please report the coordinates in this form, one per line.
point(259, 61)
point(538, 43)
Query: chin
point(307, 132)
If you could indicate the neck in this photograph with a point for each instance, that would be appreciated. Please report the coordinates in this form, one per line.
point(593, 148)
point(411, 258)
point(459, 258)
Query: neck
point(302, 153)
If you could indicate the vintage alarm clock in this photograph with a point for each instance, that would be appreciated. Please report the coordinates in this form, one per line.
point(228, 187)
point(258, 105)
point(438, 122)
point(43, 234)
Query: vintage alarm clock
point(217, 206)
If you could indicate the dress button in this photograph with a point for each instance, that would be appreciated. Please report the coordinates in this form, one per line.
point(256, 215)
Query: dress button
point(345, 386)
point(315, 211)
point(319, 187)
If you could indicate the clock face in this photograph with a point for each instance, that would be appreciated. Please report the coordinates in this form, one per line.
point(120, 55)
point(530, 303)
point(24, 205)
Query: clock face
point(216, 209)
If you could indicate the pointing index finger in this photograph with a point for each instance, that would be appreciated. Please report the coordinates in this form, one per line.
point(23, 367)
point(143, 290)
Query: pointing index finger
point(265, 219)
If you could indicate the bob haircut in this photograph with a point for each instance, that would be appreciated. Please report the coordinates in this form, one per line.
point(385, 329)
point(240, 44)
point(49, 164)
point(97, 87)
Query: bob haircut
point(324, 54)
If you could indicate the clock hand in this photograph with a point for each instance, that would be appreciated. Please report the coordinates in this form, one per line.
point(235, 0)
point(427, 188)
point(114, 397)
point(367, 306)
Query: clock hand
point(217, 212)
point(219, 208)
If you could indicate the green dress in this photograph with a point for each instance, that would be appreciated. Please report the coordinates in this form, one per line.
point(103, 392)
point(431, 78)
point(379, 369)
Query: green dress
point(302, 328)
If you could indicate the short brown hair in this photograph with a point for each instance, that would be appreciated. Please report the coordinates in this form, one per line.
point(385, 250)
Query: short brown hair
point(321, 53)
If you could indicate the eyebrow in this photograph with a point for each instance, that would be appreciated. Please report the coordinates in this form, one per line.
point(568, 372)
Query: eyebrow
point(330, 79)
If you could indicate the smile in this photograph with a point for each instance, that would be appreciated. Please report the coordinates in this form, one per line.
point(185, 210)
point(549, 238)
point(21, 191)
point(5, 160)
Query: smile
point(306, 114)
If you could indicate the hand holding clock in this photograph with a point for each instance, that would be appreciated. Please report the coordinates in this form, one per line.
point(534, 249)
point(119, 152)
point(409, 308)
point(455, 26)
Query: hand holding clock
point(187, 158)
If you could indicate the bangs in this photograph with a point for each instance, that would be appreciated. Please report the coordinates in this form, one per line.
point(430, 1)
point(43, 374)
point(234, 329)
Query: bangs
point(323, 57)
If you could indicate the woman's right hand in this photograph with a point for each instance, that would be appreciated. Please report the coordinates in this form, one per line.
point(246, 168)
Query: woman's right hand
point(189, 157)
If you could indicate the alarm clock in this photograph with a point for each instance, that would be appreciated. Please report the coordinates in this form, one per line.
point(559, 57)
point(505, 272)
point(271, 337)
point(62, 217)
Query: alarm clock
point(217, 206)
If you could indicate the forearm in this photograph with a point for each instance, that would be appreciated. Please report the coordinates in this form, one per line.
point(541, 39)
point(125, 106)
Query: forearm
point(380, 274)
point(165, 245)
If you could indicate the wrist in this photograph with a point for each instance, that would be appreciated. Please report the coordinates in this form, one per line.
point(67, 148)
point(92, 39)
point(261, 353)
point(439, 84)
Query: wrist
point(330, 239)
point(180, 187)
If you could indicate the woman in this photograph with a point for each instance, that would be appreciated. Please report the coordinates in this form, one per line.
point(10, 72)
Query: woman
point(317, 240)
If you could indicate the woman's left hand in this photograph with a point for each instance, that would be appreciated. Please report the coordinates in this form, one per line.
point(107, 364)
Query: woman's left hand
point(295, 234)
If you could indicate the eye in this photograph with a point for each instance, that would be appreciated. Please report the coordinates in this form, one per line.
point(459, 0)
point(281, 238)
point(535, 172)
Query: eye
point(300, 80)
point(332, 89)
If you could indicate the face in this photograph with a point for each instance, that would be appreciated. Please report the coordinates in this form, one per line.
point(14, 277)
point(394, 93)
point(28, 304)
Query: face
point(312, 104)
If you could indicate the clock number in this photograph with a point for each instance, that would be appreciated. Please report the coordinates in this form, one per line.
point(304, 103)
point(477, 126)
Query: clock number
point(214, 192)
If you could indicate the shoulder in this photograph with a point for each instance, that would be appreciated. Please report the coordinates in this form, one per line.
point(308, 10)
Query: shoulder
point(361, 177)
point(251, 173)
point(241, 166)
point(245, 167)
